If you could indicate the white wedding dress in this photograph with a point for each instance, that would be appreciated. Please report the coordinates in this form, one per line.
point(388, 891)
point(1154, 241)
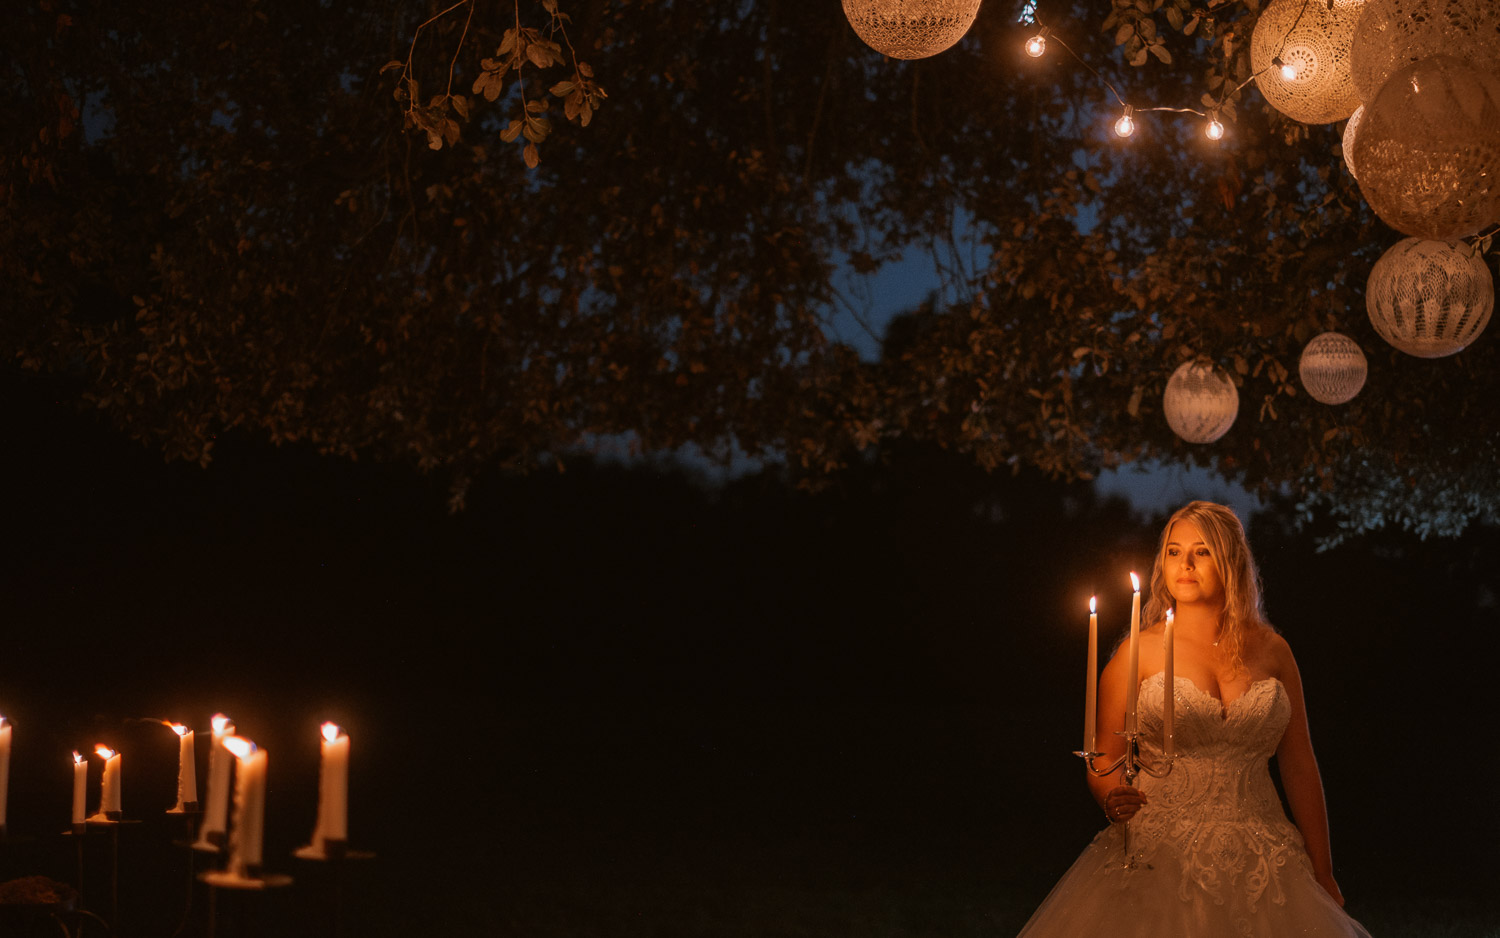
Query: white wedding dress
point(1215, 856)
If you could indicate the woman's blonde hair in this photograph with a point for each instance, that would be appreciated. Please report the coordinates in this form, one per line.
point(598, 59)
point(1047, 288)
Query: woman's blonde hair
point(1226, 541)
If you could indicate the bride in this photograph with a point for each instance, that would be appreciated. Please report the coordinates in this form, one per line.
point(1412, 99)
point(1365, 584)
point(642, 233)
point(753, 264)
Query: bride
point(1212, 852)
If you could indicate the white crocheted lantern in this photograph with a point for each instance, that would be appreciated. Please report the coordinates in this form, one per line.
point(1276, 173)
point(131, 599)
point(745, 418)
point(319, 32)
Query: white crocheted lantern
point(1200, 402)
point(1333, 368)
point(910, 29)
point(1313, 84)
point(1428, 150)
point(1430, 298)
point(1392, 34)
point(1351, 129)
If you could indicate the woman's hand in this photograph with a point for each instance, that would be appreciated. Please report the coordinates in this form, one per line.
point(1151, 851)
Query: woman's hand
point(1326, 881)
point(1122, 802)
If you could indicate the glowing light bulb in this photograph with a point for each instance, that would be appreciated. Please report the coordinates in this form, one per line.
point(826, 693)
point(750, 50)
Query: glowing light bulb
point(1289, 72)
point(1214, 129)
point(1037, 44)
point(1125, 126)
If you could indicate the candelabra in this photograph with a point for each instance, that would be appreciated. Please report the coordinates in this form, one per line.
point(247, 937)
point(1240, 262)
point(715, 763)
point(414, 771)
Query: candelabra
point(1133, 764)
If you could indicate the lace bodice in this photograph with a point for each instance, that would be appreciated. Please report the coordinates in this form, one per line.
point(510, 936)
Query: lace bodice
point(1218, 809)
point(1222, 750)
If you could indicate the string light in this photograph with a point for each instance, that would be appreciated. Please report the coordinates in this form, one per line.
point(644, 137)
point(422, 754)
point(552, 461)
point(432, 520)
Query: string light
point(1214, 129)
point(1124, 126)
point(1037, 45)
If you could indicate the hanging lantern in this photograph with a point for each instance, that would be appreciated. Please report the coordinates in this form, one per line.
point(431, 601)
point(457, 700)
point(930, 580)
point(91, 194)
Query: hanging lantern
point(1350, 130)
point(1392, 34)
point(1430, 298)
point(1200, 402)
point(910, 29)
point(1428, 150)
point(1299, 53)
point(1332, 368)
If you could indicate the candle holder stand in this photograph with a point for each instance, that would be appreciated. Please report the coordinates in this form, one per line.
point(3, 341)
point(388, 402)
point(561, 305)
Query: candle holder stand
point(77, 832)
point(252, 880)
point(337, 855)
point(111, 826)
point(1133, 765)
point(187, 812)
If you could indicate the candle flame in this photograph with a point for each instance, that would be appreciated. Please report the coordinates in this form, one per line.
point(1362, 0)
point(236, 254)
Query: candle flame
point(1135, 582)
point(221, 723)
point(1093, 604)
point(177, 728)
point(1171, 615)
point(2, 719)
point(76, 757)
point(104, 752)
point(239, 745)
point(331, 731)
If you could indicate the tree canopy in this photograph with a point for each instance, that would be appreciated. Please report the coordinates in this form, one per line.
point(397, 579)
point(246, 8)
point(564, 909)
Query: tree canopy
point(479, 235)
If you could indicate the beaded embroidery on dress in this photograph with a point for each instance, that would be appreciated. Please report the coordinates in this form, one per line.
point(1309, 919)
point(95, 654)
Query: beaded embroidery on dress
point(1216, 856)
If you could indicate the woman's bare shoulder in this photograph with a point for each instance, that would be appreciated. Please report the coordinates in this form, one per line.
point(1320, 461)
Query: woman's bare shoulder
point(1267, 647)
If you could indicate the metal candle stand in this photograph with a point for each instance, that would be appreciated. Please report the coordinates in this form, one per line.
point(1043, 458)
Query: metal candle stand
point(337, 855)
point(1134, 765)
point(187, 812)
point(111, 822)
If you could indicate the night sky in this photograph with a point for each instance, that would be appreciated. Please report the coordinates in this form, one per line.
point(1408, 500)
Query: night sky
point(617, 701)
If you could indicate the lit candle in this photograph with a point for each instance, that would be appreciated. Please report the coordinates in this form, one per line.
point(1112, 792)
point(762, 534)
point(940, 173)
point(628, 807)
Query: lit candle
point(187, 770)
point(333, 787)
point(80, 783)
point(4, 768)
point(1091, 684)
point(1169, 686)
point(245, 840)
point(109, 789)
point(216, 815)
point(1132, 676)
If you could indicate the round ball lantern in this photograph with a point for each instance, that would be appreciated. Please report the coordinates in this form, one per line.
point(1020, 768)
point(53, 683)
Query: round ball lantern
point(1428, 150)
point(1430, 298)
point(1333, 368)
point(910, 29)
point(1392, 34)
point(1351, 130)
point(1200, 402)
point(1312, 83)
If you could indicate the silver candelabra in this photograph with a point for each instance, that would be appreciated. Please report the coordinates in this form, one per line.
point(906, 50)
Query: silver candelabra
point(1134, 765)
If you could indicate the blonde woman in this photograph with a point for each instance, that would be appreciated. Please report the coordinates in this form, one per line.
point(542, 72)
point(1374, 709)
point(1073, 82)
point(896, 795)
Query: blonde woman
point(1214, 853)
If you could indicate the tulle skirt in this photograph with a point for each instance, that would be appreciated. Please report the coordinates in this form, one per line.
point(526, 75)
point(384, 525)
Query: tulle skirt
point(1166, 895)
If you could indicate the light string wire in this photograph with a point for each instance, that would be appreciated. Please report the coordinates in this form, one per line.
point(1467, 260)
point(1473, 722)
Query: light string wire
point(1211, 115)
point(1480, 242)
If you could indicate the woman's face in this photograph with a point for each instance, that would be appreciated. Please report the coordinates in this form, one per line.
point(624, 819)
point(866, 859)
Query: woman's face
point(1192, 572)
